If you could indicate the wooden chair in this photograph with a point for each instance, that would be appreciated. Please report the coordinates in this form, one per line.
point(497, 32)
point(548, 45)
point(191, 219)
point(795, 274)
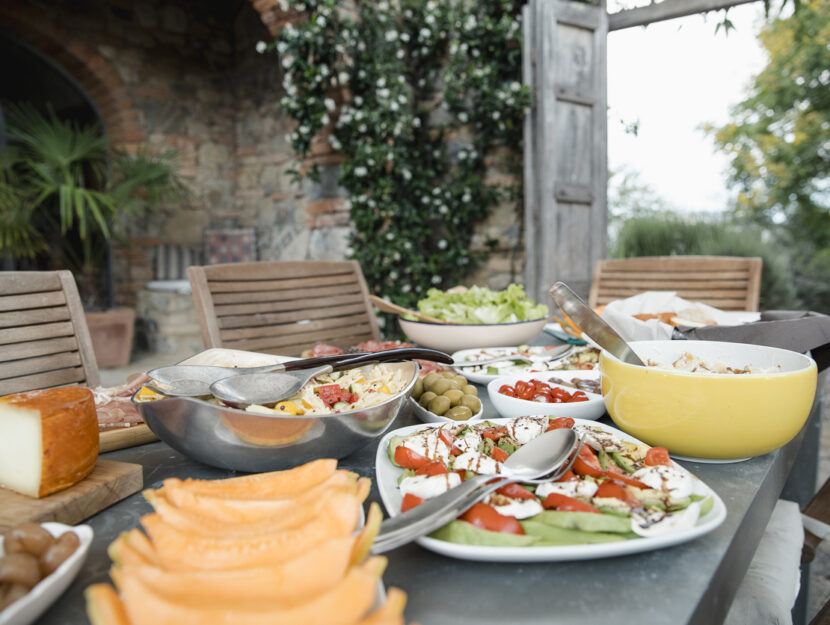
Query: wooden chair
point(283, 307)
point(725, 282)
point(44, 340)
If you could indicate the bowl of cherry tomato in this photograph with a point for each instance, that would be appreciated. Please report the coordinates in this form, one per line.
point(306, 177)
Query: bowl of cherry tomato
point(538, 394)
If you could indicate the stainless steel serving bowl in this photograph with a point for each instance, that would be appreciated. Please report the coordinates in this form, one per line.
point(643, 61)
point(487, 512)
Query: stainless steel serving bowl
point(244, 441)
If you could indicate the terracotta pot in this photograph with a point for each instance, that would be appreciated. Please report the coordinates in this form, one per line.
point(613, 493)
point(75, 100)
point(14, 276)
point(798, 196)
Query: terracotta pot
point(112, 336)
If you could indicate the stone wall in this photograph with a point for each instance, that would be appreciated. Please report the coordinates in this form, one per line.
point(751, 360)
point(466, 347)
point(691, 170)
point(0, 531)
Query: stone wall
point(184, 74)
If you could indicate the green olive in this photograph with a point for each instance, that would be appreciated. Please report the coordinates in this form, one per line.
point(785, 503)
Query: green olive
point(449, 373)
point(418, 388)
point(469, 389)
point(426, 397)
point(459, 413)
point(461, 380)
point(454, 395)
point(430, 379)
point(439, 405)
point(472, 402)
point(442, 386)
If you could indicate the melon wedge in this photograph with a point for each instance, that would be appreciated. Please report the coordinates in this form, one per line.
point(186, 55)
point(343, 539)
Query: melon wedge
point(104, 607)
point(179, 550)
point(391, 612)
point(313, 572)
point(368, 534)
point(121, 552)
point(196, 523)
point(288, 483)
point(236, 509)
point(342, 605)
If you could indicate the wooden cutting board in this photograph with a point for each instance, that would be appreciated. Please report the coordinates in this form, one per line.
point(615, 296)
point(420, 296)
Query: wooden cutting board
point(125, 437)
point(108, 483)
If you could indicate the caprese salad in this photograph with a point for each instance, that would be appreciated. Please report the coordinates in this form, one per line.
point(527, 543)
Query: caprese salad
point(615, 490)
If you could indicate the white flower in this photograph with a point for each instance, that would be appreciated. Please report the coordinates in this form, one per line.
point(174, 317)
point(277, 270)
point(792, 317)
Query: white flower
point(462, 155)
point(475, 53)
point(261, 47)
point(383, 93)
point(431, 6)
point(324, 120)
point(381, 82)
point(349, 251)
point(282, 47)
point(343, 78)
point(436, 191)
point(393, 275)
point(407, 245)
point(360, 171)
point(391, 35)
point(334, 143)
point(394, 106)
point(287, 61)
point(399, 54)
point(324, 70)
point(442, 244)
point(515, 86)
point(283, 5)
point(495, 115)
point(330, 104)
point(416, 122)
point(424, 33)
point(407, 175)
point(396, 256)
point(389, 237)
point(436, 279)
point(470, 22)
point(383, 6)
point(424, 199)
point(402, 99)
point(303, 130)
point(406, 288)
point(462, 117)
point(443, 209)
point(321, 21)
point(404, 37)
point(358, 100)
point(466, 197)
point(430, 19)
point(362, 128)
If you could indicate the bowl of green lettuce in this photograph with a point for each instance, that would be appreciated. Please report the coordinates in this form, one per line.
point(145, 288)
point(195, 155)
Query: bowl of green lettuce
point(475, 317)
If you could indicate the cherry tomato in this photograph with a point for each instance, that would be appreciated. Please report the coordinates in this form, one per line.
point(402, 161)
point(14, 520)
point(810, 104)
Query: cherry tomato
point(508, 390)
point(433, 468)
point(462, 473)
point(658, 455)
point(586, 463)
point(567, 476)
point(486, 517)
point(521, 386)
point(560, 422)
point(611, 489)
point(409, 459)
point(499, 454)
point(516, 491)
point(494, 433)
point(558, 501)
point(449, 439)
point(410, 501)
point(616, 473)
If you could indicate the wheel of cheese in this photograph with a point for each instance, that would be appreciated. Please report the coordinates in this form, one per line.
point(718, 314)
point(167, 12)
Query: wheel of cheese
point(48, 439)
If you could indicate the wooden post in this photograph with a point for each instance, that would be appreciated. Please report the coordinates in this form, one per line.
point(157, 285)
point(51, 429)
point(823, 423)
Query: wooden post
point(565, 164)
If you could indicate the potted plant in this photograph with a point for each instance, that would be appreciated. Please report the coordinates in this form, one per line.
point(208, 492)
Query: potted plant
point(64, 194)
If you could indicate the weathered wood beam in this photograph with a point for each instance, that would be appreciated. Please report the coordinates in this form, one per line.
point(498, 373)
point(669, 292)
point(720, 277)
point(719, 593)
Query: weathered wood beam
point(666, 10)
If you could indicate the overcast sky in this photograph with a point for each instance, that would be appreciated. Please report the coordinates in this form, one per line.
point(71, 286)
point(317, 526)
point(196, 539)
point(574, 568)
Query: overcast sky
point(672, 77)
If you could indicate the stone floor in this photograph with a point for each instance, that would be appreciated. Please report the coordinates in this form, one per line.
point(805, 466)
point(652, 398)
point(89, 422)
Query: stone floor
point(820, 572)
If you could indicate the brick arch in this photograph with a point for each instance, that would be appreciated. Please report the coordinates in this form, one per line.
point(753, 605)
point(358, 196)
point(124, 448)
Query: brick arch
point(97, 76)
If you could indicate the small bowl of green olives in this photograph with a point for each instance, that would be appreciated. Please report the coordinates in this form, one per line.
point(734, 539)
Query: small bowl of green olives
point(445, 396)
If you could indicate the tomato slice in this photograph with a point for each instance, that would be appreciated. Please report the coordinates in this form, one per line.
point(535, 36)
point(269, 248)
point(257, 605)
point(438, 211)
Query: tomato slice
point(616, 491)
point(330, 394)
point(494, 433)
point(486, 517)
point(568, 476)
point(499, 454)
point(410, 501)
point(409, 459)
point(558, 501)
point(559, 423)
point(586, 463)
point(616, 473)
point(449, 438)
point(433, 468)
point(516, 491)
point(658, 455)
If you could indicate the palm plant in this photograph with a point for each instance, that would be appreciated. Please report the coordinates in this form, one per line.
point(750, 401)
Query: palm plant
point(62, 191)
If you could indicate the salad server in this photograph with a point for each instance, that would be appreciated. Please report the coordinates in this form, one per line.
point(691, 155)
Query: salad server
point(195, 380)
point(552, 354)
point(592, 324)
point(539, 460)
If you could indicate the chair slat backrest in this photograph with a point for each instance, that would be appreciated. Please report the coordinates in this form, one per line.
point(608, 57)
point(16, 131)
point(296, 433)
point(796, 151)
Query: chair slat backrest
point(725, 282)
point(282, 307)
point(44, 340)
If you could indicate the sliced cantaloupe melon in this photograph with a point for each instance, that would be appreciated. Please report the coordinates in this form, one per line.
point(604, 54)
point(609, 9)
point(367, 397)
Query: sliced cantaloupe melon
point(364, 487)
point(367, 535)
point(239, 509)
point(310, 573)
point(104, 607)
point(288, 483)
point(391, 612)
point(195, 523)
point(178, 550)
point(342, 605)
point(121, 552)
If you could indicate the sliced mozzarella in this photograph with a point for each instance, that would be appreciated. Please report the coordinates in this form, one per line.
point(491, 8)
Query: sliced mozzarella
point(599, 439)
point(519, 508)
point(429, 445)
point(470, 441)
point(612, 503)
point(477, 463)
point(426, 486)
point(656, 522)
point(525, 429)
point(570, 488)
point(672, 480)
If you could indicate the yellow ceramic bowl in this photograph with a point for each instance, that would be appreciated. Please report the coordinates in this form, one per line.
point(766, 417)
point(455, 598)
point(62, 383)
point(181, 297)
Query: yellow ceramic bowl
point(707, 415)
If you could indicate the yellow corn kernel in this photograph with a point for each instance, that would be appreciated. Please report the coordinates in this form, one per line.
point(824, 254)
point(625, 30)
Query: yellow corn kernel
point(305, 404)
point(384, 389)
point(287, 407)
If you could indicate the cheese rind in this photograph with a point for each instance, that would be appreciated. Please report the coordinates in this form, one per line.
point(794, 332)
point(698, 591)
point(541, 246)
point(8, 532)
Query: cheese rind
point(48, 439)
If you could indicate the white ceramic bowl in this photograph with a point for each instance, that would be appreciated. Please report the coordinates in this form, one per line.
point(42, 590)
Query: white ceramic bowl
point(454, 337)
point(29, 608)
point(430, 417)
point(511, 407)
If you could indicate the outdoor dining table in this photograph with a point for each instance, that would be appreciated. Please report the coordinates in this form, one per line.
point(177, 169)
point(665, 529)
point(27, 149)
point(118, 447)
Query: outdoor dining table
point(694, 582)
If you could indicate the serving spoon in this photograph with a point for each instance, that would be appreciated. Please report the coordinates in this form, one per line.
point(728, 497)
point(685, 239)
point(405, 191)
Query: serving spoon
point(554, 353)
point(541, 460)
point(389, 307)
point(195, 380)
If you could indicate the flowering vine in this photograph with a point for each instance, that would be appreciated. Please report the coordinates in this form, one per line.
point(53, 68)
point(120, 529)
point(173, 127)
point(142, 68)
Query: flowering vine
point(415, 94)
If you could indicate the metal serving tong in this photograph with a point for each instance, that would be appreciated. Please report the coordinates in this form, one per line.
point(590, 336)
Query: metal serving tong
point(541, 460)
point(196, 380)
